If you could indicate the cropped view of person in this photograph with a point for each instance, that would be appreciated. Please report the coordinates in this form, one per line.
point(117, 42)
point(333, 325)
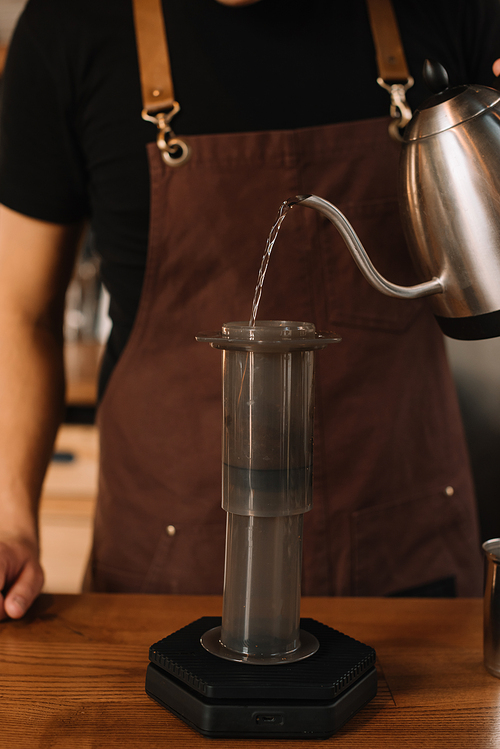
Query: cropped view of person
point(276, 98)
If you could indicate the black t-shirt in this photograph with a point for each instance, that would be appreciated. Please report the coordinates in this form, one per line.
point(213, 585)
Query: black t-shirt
point(72, 141)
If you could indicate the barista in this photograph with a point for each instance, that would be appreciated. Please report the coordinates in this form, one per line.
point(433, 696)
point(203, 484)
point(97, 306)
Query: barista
point(394, 507)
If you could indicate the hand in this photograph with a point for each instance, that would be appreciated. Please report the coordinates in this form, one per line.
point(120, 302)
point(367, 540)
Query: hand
point(496, 67)
point(21, 577)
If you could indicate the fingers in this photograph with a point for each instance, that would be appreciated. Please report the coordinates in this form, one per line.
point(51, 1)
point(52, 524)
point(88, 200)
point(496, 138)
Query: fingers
point(496, 67)
point(24, 591)
point(14, 607)
point(21, 579)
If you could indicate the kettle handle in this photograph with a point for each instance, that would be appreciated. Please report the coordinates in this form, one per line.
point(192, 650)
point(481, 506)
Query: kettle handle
point(360, 256)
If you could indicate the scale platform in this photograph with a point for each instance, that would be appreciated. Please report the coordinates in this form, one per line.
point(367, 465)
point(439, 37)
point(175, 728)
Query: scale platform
point(311, 698)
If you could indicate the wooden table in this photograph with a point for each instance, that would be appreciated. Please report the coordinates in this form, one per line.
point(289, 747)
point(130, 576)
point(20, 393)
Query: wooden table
point(82, 362)
point(3, 57)
point(72, 674)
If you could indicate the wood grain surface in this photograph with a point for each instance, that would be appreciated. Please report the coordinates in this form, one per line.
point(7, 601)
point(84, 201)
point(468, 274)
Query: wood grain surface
point(72, 674)
point(3, 57)
point(82, 362)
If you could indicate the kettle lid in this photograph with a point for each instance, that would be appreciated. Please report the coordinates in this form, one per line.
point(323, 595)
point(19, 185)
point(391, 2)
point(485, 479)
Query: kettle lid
point(447, 107)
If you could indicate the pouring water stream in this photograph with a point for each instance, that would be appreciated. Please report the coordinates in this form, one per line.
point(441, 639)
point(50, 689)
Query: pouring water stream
point(283, 210)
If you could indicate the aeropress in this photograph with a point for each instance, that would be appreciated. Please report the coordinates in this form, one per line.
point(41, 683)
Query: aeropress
point(261, 671)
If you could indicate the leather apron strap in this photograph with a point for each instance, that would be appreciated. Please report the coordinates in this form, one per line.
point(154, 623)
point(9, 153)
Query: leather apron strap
point(154, 60)
point(393, 71)
point(391, 59)
point(159, 104)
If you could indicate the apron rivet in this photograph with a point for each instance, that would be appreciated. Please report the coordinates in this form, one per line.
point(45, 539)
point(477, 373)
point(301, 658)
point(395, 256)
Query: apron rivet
point(449, 491)
point(171, 530)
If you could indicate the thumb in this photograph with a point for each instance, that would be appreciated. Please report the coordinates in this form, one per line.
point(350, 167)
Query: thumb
point(496, 67)
point(24, 590)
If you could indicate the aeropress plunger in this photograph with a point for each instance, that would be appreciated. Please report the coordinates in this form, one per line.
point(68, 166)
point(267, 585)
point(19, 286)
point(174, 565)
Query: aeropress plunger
point(261, 671)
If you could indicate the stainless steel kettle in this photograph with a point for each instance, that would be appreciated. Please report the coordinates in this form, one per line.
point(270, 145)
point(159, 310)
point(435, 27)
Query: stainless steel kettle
point(449, 197)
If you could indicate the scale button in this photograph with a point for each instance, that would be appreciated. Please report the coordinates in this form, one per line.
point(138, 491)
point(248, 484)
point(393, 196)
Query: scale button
point(449, 491)
point(171, 530)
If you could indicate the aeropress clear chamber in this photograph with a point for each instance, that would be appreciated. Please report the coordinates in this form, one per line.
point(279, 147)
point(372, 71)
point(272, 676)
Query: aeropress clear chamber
point(268, 391)
point(268, 405)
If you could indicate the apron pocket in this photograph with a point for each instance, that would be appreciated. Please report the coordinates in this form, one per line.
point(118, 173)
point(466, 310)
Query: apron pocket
point(413, 543)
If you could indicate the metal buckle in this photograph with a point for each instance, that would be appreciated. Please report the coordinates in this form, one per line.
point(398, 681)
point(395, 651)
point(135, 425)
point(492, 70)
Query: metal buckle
point(174, 151)
point(400, 111)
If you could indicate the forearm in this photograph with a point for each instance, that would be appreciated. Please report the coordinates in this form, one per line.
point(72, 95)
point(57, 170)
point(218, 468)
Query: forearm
point(36, 259)
point(31, 408)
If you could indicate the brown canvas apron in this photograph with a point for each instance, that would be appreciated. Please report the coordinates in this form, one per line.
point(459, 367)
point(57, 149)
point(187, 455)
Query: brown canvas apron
point(393, 500)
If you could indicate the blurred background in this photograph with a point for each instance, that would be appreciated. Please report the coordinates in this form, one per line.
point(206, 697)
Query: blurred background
point(70, 487)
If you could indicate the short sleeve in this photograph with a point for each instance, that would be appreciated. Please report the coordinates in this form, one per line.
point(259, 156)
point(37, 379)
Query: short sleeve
point(41, 170)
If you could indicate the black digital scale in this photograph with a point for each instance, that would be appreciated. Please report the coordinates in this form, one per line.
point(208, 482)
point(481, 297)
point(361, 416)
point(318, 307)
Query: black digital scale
point(311, 698)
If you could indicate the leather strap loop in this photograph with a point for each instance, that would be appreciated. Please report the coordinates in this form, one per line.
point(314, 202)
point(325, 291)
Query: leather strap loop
point(158, 100)
point(393, 73)
point(154, 61)
point(391, 60)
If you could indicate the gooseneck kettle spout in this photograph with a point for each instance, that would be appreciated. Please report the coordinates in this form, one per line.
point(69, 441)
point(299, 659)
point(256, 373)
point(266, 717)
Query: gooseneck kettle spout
point(360, 256)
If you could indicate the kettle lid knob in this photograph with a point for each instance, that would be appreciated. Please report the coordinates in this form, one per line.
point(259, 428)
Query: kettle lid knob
point(435, 76)
point(436, 79)
point(448, 106)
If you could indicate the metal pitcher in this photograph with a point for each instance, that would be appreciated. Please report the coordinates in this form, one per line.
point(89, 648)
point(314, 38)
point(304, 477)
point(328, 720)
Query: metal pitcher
point(449, 195)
